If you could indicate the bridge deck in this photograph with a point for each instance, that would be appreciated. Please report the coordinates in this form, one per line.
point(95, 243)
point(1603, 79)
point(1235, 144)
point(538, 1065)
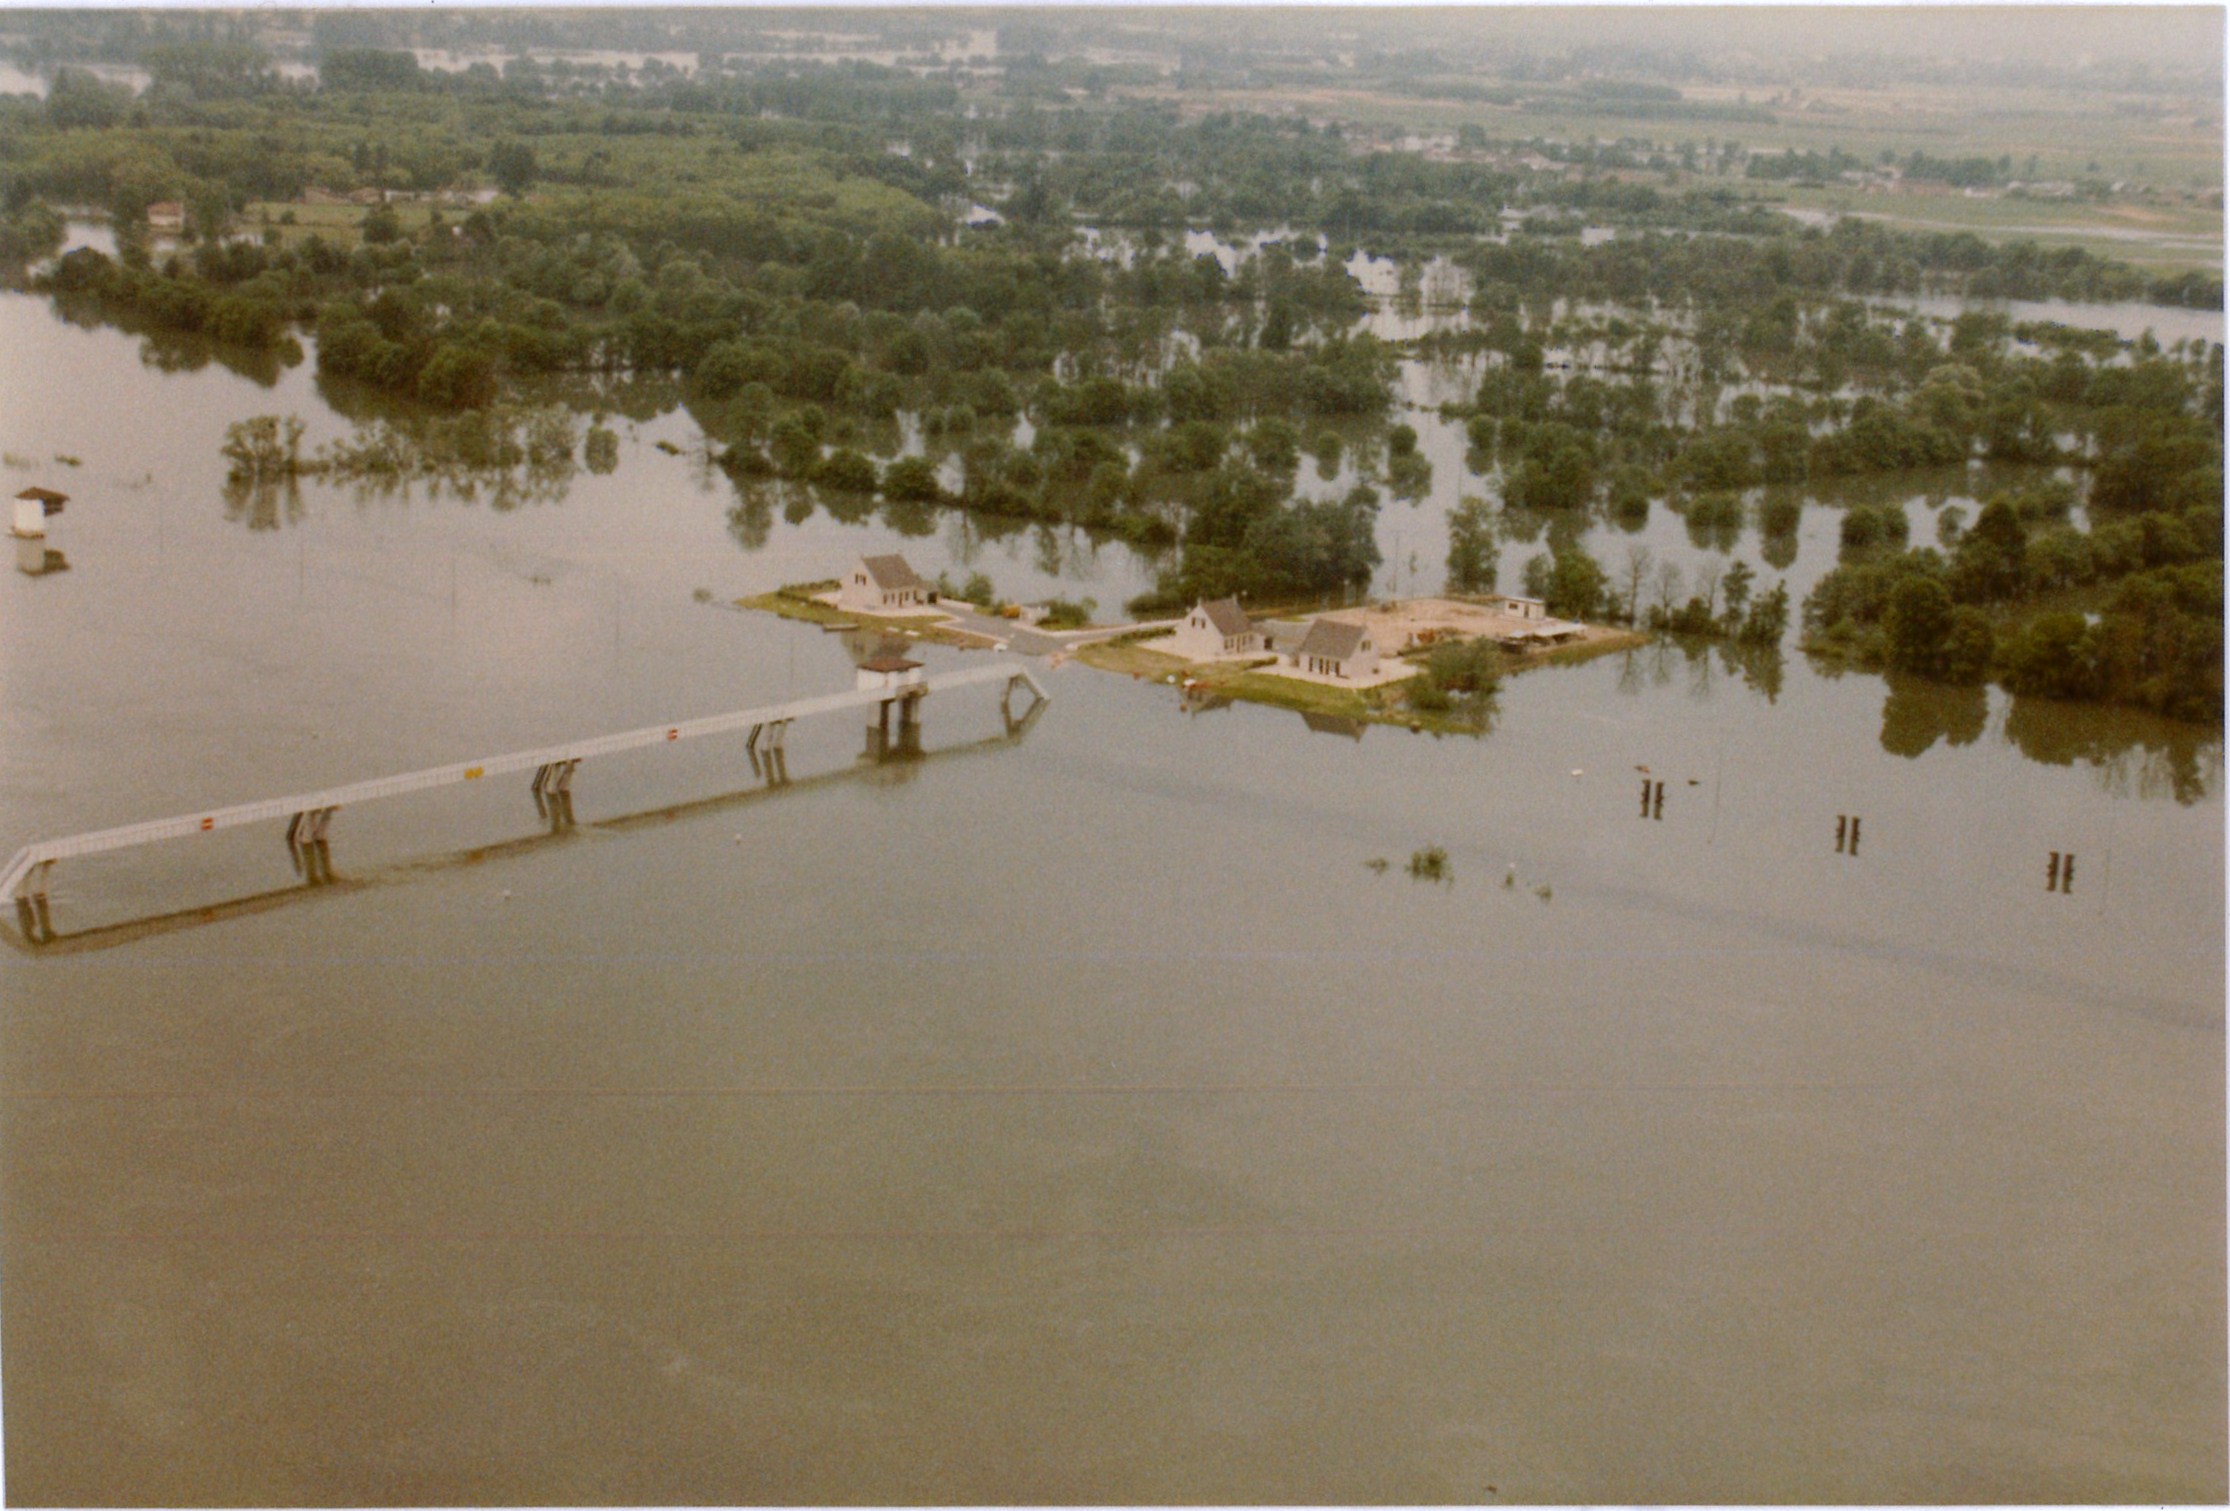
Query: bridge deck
point(210, 819)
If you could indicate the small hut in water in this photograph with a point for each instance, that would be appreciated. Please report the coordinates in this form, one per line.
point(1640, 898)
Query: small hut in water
point(32, 506)
point(886, 666)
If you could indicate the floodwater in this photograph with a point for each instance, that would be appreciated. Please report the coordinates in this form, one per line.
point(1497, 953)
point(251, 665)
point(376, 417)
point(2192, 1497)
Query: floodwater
point(1067, 1117)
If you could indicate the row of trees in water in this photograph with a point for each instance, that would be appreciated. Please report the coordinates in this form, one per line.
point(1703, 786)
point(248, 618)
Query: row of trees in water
point(806, 286)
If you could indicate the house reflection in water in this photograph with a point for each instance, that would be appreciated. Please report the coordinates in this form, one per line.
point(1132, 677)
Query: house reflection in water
point(1334, 724)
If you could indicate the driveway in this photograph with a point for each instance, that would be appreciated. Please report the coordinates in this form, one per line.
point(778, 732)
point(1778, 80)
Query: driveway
point(1026, 641)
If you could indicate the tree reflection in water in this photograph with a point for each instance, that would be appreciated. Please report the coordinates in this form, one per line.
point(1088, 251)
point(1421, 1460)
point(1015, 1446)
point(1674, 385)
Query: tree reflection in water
point(751, 517)
point(1918, 713)
point(2133, 753)
point(1761, 668)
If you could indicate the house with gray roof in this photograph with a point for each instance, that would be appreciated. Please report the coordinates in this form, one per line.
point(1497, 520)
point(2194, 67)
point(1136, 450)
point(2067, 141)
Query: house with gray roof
point(1214, 629)
point(1336, 648)
point(881, 584)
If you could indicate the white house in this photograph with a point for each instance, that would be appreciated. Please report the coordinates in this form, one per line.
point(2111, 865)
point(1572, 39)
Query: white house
point(166, 215)
point(1519, 608)
point(1335, 648)
point(1215, 629)
point(878, 584)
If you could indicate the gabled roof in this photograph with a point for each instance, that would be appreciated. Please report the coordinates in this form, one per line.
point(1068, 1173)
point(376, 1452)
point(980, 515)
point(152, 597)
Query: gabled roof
point(1226, 615)
point(1333, 639)
point(44, 495)
point(891, 572)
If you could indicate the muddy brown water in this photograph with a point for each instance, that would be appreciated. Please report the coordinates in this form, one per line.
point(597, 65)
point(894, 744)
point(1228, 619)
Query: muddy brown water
point(1069, 1118)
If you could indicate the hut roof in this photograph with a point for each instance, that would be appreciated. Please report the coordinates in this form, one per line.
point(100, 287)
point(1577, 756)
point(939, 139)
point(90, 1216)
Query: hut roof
point(1335, 639)
point(891, 572)
point(44, 495)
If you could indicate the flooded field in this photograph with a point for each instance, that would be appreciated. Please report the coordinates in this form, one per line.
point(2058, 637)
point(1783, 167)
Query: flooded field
point(1069, 1117)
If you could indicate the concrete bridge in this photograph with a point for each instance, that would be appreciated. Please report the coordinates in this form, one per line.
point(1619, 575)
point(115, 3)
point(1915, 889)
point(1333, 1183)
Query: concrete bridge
point(309, 814)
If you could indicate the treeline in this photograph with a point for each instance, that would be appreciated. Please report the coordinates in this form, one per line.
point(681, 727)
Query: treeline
point(1852, 258)
point(2129, 611)
point(1928, 398)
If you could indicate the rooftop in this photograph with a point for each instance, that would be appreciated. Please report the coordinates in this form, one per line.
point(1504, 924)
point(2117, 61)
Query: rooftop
point(891, 572)
point(1226, 615)
point(1335, 638)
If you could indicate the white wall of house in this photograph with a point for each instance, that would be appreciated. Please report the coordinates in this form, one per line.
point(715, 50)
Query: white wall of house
point(1196, 638)
point(1362, 663)
point(857, 593)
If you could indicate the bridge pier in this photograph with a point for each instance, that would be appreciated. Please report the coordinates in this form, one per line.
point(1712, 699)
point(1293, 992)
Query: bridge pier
point(1015, 724)
point(31, 912)
point(552, 789)
point(309, 815)
point(306, 846)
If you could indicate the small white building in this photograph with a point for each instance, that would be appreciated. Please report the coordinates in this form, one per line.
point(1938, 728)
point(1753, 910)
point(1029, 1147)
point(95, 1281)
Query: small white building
point(888, 668)
point(878, 584)
point(166, 215)
point(1215, 629)
point(1336, 648)
point(32, 506)
point(1519, 608)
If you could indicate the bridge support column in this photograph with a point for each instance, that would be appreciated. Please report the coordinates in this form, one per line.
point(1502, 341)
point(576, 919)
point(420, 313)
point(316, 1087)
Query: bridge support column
point(1015, 724)
point(306, 846)
point(31, 912)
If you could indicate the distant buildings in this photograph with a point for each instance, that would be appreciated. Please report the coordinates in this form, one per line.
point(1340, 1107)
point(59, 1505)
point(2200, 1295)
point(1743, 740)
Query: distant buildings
point(1215, 629)
point(166, 215)
point(879, 584)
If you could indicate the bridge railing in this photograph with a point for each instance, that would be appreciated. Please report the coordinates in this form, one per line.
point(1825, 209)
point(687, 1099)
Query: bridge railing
point(207, 820)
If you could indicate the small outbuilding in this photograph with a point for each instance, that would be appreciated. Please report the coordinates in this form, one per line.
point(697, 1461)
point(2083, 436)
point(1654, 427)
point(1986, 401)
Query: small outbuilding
point(32, 506)
point(879, 584)
point(887, 668)
point(1213, 629)
point(1337, 648)
point(1519, 608)
point(166, 215)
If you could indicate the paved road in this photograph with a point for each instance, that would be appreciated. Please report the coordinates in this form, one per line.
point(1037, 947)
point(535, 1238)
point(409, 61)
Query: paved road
point(1031, 642)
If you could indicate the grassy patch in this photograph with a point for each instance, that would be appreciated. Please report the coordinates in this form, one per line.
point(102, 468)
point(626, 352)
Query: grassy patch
point(337, 225)
point(1131, 659)
point(792, 603)
point(2166, 238)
